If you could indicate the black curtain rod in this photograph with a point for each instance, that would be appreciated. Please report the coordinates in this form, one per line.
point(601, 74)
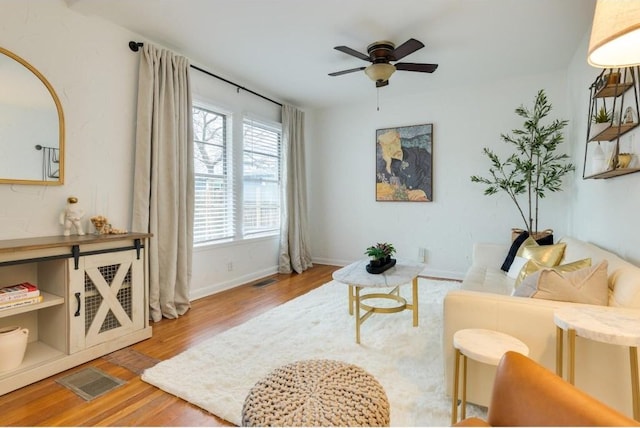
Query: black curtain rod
point(135, 46)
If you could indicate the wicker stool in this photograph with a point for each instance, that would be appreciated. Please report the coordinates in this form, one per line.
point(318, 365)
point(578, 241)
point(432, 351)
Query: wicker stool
point(316, 393)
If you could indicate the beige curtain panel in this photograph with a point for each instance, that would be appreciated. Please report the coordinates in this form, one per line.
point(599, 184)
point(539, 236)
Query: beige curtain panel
point(163, 184)
point(295, 252)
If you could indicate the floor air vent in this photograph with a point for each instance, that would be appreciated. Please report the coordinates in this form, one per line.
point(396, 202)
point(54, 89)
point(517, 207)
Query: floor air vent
point(265, 282)
point(90, 383)
point(131, 360)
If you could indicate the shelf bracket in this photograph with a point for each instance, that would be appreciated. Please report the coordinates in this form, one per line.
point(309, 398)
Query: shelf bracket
point(75, 252)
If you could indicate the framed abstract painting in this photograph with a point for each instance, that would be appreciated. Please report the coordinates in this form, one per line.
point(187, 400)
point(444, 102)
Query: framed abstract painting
point(404, 159)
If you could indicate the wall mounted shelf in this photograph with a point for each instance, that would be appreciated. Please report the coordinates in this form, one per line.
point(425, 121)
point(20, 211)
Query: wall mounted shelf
point(615, 91)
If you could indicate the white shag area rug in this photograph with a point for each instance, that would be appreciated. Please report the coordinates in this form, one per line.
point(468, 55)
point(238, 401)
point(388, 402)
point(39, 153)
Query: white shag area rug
point(217, 374)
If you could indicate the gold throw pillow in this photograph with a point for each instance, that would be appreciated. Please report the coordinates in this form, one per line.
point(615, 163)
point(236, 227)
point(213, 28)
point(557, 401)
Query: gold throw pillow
point(532, 266)
point(527, 242)
point(540, 256)
point(546, 255)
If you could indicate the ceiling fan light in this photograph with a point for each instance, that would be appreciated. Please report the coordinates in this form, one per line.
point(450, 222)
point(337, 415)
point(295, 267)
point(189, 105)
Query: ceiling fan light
point(379, 72)
point(615, 34)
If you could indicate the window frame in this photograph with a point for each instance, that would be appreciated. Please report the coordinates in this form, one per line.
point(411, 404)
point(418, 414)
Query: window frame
point(234, 151)
point(270, 126)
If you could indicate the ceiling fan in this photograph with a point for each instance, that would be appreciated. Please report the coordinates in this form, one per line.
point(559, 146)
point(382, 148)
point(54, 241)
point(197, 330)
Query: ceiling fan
point(380, 55)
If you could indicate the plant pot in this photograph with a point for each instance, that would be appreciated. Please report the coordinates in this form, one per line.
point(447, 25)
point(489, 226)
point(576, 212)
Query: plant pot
point(515, 232)
point(383, 266)
point(624, 159)
point(613, 78)
point(13, 344)
point(598, 128)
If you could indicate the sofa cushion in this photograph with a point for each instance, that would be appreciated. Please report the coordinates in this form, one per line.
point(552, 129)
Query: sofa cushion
point(488, 279)
point(516, 267)
point(515, 246)
point(546, 255)
point(519, 243)
point(539, 257)
point(585, 285)
point(528, 282)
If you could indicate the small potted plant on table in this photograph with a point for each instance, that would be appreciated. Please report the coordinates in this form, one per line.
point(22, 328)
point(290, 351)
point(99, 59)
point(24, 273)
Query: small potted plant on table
point(380, 255)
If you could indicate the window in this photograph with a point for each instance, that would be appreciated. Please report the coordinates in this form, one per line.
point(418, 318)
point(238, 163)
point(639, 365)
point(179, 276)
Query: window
point(225, 210)
point(214, 201)
point(260, 177)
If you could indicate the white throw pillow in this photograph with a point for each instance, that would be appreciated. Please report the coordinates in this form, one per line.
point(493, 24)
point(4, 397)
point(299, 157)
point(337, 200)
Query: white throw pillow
point(516, 266)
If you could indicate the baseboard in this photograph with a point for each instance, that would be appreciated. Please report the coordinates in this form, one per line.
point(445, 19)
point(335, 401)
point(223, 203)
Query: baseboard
point(253, 276)
point(241, 280)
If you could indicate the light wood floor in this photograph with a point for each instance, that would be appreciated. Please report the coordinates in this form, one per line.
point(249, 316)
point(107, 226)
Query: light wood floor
point(46, 403)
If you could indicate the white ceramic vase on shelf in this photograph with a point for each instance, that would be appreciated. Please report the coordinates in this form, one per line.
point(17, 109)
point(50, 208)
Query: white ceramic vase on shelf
point(13, 343)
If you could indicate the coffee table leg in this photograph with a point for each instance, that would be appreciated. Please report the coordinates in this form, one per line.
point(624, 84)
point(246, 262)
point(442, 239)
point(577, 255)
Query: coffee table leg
point(357, 301)
point(463, 404)
point(414, 303)
point(571, 335)
point(559, 350)
point(633, 358)
point(454, 393)
point(350, 299)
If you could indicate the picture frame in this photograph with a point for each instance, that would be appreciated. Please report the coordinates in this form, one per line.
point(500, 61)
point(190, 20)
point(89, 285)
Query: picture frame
point(404, 163)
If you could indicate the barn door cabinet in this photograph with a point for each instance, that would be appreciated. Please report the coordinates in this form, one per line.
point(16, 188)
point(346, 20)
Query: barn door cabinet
point(614, 91)
point(95, 300)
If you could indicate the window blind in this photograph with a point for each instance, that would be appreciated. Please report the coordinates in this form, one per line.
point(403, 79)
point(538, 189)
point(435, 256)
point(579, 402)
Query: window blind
point(214, 196)
point(261, 177)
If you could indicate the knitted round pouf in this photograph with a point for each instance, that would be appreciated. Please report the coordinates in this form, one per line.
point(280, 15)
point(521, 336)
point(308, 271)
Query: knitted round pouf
point(316, 393)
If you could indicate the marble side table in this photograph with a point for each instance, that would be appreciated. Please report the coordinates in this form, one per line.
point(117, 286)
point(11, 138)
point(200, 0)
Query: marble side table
point(357, 278)
point(484, 346)
point(604, 324)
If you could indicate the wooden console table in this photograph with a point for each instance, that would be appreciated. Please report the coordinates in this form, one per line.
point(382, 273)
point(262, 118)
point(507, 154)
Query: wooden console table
point(95, 300)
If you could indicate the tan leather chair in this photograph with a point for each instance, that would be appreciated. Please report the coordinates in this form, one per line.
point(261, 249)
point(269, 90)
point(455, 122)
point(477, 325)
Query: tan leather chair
point(527, 394)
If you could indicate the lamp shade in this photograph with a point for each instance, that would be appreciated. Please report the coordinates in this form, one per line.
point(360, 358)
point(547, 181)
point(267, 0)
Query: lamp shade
point(379, 72)
point(615, 34)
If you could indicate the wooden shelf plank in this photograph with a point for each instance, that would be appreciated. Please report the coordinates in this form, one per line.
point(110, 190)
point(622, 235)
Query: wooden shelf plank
point(613, 90)
point(36, 354)
point(49, 300)
point(613, 173)
point(613, 132)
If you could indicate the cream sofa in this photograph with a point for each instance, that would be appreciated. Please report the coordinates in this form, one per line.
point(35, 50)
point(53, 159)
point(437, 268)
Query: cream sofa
point(485, 301)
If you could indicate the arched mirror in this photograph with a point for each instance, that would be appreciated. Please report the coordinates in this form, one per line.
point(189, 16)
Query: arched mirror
point(31, 125)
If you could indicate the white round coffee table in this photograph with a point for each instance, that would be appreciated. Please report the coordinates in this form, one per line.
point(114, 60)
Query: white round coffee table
point(484, 346)
point(356, 277)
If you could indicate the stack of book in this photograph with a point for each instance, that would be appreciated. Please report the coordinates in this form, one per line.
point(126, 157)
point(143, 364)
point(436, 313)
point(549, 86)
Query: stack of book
point(19, 295)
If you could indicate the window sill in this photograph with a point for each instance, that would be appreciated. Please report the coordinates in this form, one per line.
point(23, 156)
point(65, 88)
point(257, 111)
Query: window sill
point(236, 242)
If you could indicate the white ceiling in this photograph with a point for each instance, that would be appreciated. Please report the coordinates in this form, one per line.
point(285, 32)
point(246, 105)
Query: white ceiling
point(284, 48)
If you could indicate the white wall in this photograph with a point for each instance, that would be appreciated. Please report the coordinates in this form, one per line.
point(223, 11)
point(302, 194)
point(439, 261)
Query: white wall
point(95, 74)
point(604, 212)
point(344, 214)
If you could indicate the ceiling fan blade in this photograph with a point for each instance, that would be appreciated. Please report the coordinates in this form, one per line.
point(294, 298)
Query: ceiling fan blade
point(381, 83)
point(408, 47)
point(410, 66)
point(353, 52)
point(340, 73)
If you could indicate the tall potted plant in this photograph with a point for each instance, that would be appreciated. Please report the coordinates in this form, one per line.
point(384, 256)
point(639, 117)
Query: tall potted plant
point(535, 168)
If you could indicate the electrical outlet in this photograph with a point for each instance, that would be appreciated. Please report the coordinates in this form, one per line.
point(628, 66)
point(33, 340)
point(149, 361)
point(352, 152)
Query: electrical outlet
point(230, 266)
point(422, 254)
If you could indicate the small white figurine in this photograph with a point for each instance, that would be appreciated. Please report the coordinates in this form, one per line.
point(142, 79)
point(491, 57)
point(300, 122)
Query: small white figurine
point(628, 115)
point(72, 216)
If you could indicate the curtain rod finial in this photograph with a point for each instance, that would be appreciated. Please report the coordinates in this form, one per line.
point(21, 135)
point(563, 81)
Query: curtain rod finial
point(135, 46)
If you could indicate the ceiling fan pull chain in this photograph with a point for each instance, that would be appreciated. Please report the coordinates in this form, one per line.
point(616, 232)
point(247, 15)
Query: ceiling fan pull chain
point(378, 99)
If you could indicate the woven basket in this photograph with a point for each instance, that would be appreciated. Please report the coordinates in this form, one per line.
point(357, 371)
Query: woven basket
point(515, 232)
